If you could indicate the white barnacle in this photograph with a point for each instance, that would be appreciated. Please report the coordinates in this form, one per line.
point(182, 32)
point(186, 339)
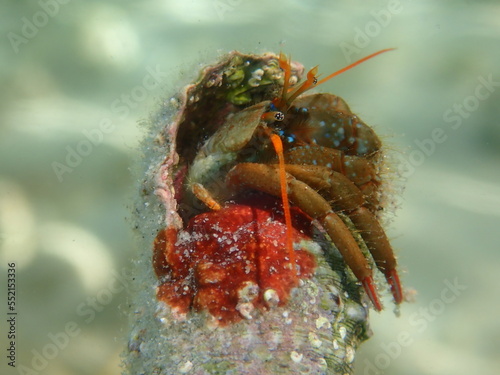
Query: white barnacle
point(356, 313)
point(322, 322)
point(258, 73)
point(256, 78)
point(245, 309)
point(271, 297)
point(349, 354)
point(174, 102)
point(342, 332)
point(335, 344)
point(248, 291)
point(314, 340)
point(185, 367)
point(296, 357)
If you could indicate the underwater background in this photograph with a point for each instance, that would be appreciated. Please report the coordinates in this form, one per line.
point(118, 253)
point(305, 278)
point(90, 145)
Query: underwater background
point(79, 77)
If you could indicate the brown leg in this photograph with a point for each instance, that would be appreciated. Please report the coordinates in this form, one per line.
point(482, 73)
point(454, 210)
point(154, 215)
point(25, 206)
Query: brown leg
point(265, 178)
point(347, 197)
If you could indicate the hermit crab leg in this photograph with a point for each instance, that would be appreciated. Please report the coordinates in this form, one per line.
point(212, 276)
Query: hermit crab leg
point(380, 248)
point(358, 169)
point(204, 195)
point(265, 178)
point(348, 198)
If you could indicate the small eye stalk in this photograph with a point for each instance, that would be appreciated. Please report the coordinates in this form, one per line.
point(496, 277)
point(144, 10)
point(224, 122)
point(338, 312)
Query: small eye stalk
point(273, 116)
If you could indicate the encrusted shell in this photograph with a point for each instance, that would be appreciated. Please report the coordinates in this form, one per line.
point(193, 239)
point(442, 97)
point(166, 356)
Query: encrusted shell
point(325, 319)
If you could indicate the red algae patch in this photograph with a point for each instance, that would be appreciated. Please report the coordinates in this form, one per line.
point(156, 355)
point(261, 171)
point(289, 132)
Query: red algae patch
point(232, 262)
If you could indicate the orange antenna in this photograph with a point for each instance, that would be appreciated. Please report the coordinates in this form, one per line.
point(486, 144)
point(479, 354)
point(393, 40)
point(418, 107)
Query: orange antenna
point(287, 98)
point(278, 146)
point(354, 64)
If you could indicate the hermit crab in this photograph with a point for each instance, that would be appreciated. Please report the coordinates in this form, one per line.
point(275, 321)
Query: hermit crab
point(257, 164)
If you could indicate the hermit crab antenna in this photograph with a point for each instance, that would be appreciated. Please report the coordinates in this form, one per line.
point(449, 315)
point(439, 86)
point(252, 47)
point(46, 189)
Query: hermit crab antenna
point(278, 146)
point(286, 99)
point(354, 64)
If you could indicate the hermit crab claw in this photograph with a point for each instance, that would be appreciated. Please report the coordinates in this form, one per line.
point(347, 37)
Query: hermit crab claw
point(392, 278)
point(396, 289)
point(371, 291)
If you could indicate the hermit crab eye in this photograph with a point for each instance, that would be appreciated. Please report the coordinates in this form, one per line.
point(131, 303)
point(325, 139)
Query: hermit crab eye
point(273, 116)
point(279, 116)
